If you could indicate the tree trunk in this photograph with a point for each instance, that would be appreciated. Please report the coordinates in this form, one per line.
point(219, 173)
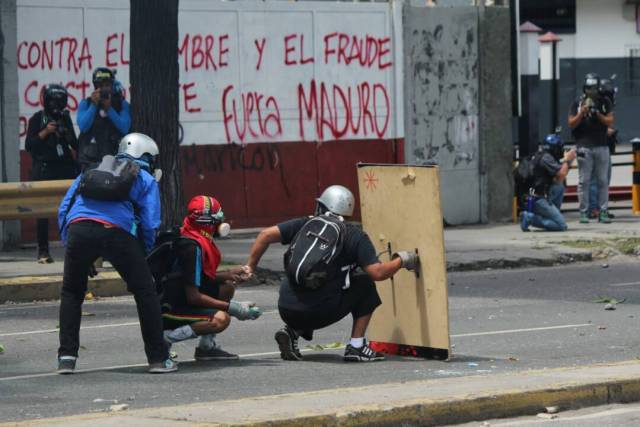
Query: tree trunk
point(153, 73)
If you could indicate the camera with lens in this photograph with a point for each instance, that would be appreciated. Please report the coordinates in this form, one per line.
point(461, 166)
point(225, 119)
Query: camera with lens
point(105, 94)
point(581, 152)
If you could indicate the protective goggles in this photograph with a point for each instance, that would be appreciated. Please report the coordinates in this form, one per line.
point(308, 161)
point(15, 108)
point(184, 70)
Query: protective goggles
point(207, 217)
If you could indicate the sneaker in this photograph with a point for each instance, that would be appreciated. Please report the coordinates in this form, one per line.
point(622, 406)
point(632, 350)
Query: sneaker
point(163, 367)
point(584, 218)
point(44, 258)
point(604, 217)
point(524, 221)
point(287, 340)
point(215, 353)
point(66, 365)
point(361, 354)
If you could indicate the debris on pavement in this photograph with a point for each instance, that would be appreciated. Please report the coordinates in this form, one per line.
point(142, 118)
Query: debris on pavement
point(547, 416)
point(119, 407)
point(610, 306)
point(609, 300)
point(552, 409)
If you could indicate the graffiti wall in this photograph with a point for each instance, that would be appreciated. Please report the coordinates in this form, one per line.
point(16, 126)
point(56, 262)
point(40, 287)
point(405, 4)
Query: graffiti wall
point(306, 74)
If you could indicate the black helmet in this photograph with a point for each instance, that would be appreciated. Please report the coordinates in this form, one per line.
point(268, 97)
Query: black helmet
point(591, 82)
point(608, 89)
point(55, 100)
point(102, 74)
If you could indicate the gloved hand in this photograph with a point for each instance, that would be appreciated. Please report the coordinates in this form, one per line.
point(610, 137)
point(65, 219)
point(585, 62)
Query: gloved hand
point(244, 310)
point(410, 260)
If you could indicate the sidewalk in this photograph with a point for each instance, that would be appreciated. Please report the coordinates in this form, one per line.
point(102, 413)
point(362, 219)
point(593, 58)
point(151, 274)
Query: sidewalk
point(426, 403)
point(468, 248)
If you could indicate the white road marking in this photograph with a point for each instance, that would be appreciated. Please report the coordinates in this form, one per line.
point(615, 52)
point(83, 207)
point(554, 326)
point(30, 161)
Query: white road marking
point(269, 353)
point(112, 325)
point(615, 285)
point(137, 365)
point(515, 331)
point(564, 418)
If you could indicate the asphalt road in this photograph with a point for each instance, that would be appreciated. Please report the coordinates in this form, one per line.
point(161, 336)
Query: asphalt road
point(501, 321)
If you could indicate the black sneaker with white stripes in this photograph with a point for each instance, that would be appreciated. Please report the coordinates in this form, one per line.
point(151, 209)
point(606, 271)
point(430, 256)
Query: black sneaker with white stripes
point(361, 354)
point(287, 340)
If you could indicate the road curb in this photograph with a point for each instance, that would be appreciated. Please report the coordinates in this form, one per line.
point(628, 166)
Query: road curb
point(555, 259)
point(425, 403)
point(32, 288)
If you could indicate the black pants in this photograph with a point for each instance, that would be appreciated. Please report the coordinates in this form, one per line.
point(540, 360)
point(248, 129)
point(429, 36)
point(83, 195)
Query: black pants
point(360, 299)
point(47, 171)
point(86, 241)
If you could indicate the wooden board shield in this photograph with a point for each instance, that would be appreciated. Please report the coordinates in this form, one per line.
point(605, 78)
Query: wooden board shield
point(401, 211)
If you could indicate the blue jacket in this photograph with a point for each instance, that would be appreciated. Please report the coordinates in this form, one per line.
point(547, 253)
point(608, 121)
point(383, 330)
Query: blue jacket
point(87, 112)
point(144, 194)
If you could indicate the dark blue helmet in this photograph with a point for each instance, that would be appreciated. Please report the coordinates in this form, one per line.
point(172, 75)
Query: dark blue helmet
point(553, 144)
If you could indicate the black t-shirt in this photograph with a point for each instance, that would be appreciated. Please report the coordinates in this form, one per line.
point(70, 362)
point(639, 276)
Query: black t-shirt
point(54, 148)
point(188, 263)
point(591, 132)
point(357, 251)
point(545, 170)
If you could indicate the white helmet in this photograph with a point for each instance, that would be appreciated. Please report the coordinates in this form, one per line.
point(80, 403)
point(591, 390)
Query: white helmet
point(338, 199)
point(137, 145)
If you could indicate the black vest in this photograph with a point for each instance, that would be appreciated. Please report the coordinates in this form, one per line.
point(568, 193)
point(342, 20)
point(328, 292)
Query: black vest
point(100, 140)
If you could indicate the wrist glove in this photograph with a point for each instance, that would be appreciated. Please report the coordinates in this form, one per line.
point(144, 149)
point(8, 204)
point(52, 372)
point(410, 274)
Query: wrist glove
point(244, 310)
point(410, 260)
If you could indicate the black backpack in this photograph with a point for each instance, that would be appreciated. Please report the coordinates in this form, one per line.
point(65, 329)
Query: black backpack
point(524, 175)
point(111, 179)
point(309, 261)
point(162, 259)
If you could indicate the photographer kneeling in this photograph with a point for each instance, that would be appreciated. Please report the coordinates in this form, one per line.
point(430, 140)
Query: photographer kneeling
point(551, 166)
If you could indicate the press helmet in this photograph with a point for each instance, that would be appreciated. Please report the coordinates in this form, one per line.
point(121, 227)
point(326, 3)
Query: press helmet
point(139, 146)
point(102, 74)
point(591, 82)
point(608, 89)
point(338, 200)
point(54, 99)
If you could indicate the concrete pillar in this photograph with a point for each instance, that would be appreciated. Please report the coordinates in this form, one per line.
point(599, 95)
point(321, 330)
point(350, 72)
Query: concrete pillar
point(496, 140)
point(9, 128)
point(529, 83)
point(548, 93)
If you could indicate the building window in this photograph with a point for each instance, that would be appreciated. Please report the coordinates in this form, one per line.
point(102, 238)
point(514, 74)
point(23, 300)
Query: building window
point(558, 16)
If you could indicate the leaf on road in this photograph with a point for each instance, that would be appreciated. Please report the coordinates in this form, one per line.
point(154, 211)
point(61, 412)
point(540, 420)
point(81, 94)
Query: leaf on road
point(87, 314)
point(1, 349)
point(316, 347)
point(335, 344)
point(609, 300)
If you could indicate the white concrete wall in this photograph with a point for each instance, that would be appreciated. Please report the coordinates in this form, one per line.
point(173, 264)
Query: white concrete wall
point(249, 71)
point(604, 28)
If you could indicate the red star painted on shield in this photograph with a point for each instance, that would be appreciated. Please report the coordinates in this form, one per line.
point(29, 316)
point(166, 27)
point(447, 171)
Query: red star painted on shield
point(370, 180)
